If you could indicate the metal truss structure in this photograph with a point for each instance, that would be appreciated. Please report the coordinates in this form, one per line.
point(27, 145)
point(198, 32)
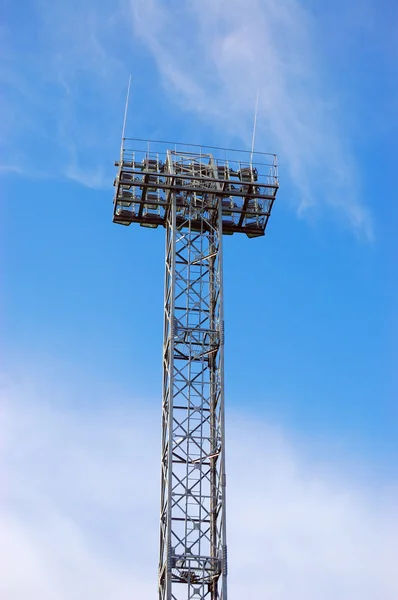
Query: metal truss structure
point(197, 194)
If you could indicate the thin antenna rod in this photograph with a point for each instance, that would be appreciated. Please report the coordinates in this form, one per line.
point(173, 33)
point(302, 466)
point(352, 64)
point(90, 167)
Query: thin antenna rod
point(125, 109)
point(254, 127)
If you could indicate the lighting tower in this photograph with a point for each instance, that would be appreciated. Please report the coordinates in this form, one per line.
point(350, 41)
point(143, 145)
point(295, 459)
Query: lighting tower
point(198, 194)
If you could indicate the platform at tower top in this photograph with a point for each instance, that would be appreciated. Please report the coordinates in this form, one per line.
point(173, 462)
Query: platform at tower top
point(153, 174)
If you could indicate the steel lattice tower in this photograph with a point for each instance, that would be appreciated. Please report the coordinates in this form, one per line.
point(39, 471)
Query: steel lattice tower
point(198, 194)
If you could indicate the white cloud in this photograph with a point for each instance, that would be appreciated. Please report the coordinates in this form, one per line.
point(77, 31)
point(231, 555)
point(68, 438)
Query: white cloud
point(79, 513)
point(62, 106)
point(214, 56)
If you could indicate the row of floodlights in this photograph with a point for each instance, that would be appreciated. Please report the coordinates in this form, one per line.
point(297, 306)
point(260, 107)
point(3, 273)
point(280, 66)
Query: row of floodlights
point(154, 201)
point(245, 174)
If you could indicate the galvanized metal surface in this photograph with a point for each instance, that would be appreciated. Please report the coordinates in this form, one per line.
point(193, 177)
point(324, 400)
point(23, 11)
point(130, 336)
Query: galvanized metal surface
point(150, 174)
point(197, 197)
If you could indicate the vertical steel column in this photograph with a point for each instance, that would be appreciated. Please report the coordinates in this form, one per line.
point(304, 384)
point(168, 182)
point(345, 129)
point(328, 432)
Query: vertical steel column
point(167, 408)
point(192, 563)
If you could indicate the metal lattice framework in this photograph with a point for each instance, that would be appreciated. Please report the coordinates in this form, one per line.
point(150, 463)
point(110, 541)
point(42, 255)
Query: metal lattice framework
point(197, 196)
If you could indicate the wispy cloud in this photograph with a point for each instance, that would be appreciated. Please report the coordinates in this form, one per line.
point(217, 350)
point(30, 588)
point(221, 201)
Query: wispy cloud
point(61, 108)
point(214, 56)
point(96, 178)
point(79, 512)
point(10, 169)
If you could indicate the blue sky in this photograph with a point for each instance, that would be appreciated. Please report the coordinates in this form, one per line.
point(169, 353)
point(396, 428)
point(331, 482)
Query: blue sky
point(311, 320)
